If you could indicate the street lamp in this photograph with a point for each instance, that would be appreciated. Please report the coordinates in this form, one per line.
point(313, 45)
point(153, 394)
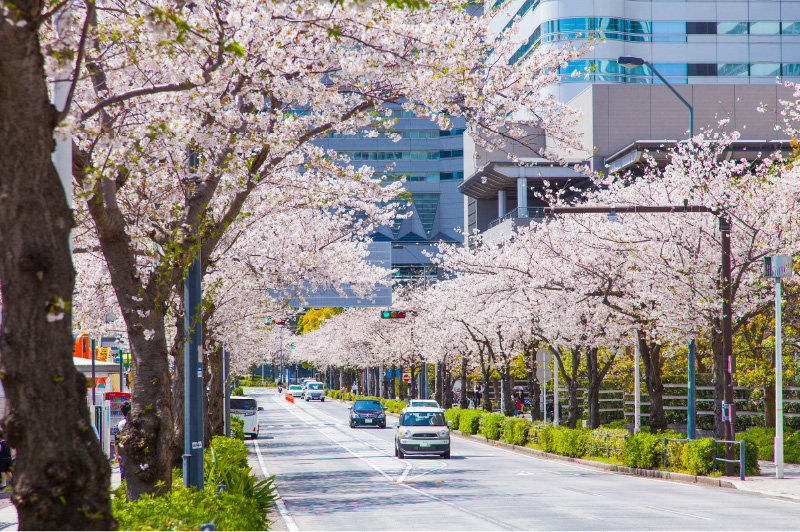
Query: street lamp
point(634, 62)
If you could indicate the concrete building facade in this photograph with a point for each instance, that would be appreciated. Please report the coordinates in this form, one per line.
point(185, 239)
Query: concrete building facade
point(722, 57)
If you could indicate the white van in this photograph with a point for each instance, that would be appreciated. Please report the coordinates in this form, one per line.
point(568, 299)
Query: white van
point(247, 410)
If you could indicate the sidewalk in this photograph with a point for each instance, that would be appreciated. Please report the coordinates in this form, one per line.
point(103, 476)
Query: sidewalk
point(766, 484)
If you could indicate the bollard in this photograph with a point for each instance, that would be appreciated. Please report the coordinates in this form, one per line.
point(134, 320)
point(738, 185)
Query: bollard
point(666, 442)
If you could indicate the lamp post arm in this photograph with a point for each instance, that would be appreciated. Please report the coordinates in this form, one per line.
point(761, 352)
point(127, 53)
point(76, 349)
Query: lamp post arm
point(670, 87)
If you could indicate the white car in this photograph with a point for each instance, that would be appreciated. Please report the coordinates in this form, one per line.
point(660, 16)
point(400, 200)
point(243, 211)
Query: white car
point(430, 403)
point(246, 409)
point(314, 391)
point(422, 430)
point(296, 390)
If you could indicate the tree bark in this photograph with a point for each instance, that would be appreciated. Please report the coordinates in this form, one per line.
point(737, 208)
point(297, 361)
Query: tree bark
point(508, 403)
point(719, 379)
point(534, 389)
point(769, 405)
point(215, 393)
point(571, 381)
point(650, 353)
point(463, 400)
point(61, 477)
point(596, 376)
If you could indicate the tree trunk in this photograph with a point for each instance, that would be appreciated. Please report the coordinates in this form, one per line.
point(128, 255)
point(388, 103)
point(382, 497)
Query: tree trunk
point(177, 385)
point(534, 389)
point(463, 400)
point(769, 405)
point(215, 393)
point(718, 379)
point(596, 376)
point(392, 391)
point(571, 382)
point(61, 477)
point(448, 388)
point(485, 371)
point(496, 391)
point(413, 383)
point(650, 353)
point(439, 385)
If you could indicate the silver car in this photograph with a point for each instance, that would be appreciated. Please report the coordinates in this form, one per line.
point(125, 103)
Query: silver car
point(422, 430)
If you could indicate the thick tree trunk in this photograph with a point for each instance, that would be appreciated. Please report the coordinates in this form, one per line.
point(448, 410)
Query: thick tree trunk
point(177, 389)
point(534, 389)
point(463, 401)
point(448, 388)
point(413, 383)
point(61, 477)
point(507, 400)
point(650, 353)
point(496, 391)
point(439, 385)
point(571, 382)
point(596, 376)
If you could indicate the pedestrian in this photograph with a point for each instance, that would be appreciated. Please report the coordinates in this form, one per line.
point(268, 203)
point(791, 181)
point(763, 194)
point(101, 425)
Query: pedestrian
point(478, 390)
point(6, 461)
point(354, 388)
point(518, 407)
point(124, 409)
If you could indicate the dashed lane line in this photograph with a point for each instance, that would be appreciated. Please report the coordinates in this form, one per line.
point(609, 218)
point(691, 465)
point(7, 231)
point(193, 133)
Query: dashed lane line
point(282, 510)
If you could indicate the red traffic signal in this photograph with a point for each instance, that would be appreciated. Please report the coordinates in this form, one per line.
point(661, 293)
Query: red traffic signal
point(391, 314)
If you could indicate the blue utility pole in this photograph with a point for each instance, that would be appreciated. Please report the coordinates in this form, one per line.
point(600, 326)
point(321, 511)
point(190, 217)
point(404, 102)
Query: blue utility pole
point(691, 425)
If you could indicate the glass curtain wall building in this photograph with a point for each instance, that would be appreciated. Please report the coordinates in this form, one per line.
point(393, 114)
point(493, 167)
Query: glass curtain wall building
point(432, 162)
point(723, 57)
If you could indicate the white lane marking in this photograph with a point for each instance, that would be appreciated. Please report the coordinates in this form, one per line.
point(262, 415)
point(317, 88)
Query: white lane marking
point(412, 488)
point(428, 471)
point(679, 513)
point(782, 500)
point(287, 518)
point(402, 477)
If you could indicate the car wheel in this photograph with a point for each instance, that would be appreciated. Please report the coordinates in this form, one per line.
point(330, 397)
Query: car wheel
point(446, 455)
point(322, 400)
point(307, 399)
point(382, 425)
point(400, 453)
point(395, 448)
point(351, 424)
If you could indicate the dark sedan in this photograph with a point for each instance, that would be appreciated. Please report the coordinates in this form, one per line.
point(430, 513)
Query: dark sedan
point(367, 413)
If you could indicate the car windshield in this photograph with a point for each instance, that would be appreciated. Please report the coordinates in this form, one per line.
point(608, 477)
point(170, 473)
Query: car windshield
point(315, 386)
point(295, 387)
point(367, 405)
point(243, 404)
point(422, 419)
point(432, 404)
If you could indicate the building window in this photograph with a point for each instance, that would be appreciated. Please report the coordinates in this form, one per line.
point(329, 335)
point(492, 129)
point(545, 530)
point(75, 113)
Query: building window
point(791, 70)
point(733, 28)
point(790, 28)
point(765, 28)
point(733, 69)
point(701, 28)
point(701, 69)
point(765, 69)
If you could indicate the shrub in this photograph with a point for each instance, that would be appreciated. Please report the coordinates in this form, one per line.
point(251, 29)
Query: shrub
point(186, 509)
point(750, 456)
point(619, 424)
point(469, 421)
point(697, 456)
point(535, 430)
point(515, 431)
point(606, 441)
point(237, 428)
point(642, 451)
point(675, 460)
point(571, 442)
point(238, 391)
point(225, 462)
point(390, 404)
point(492, 426)
point(452, 415)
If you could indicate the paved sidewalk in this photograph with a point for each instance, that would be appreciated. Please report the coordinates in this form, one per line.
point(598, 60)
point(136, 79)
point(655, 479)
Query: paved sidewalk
point(766, 484)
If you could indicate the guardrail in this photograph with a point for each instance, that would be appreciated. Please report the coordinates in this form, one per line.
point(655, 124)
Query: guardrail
point(609, 449)
point(665, 459)
point(714, 458)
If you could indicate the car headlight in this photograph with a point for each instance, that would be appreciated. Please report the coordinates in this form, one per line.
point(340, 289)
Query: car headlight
point(405, 433)
point(443, 433)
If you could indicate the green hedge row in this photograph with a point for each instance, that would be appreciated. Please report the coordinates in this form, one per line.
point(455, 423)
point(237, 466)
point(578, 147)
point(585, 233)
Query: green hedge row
point(391, 405)
point(642, 450)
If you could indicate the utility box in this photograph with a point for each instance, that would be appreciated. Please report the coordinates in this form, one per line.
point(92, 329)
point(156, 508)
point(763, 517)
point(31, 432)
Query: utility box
point(777, 266)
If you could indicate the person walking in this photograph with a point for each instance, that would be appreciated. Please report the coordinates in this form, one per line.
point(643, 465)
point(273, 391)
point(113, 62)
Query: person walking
point(124, 409)
point(354, 388)
point(518, 407)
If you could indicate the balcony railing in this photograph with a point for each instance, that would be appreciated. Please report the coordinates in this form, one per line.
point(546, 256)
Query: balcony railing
point(537, 213)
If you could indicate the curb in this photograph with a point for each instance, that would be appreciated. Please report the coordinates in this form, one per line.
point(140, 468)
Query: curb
point(648, 473)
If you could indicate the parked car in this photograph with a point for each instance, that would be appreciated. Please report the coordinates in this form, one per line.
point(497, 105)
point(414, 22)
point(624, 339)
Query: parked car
point(296, 390)
point(367, 412)
point(430, 403)
point(314, 391)
point(421, 431)
point(246, 409)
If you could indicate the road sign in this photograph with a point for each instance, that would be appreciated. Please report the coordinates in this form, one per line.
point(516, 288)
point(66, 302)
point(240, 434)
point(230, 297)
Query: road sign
point(406, 377)
point(542, 355)
point(544, 373)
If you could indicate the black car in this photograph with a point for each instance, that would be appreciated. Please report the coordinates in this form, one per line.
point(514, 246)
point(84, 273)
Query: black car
point(367, 413)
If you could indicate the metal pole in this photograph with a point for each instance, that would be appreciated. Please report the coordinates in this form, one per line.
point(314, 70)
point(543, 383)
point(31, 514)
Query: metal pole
point(283, 366)
point(691, 403)
point(555, 392)
point(121, 373)
point(670, 87)
point(94, 379)
point(226, 389)
point(778, 383)
point(637, 406)
point(729, 359)
point(193, 381)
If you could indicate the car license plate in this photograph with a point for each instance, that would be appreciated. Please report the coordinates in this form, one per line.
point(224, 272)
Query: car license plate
point(425, 444)
point(367, 421)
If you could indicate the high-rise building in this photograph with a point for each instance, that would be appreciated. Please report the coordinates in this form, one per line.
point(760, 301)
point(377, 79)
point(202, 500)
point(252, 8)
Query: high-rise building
point(431, 161)
point(722, 57)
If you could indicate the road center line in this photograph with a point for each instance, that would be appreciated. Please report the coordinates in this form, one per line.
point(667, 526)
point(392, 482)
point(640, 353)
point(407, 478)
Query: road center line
point(679, 513)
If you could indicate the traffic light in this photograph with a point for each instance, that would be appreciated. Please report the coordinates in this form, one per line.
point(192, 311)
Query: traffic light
point(291, 346)
point(390, 314)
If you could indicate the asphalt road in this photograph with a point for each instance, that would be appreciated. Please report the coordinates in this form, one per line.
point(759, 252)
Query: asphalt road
point(332, 477)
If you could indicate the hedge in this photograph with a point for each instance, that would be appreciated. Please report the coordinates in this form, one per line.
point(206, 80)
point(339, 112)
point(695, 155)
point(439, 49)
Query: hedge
point(764, 440)
point(515, 431)
point(607, 442)
point(469, 421)
point(491, 426)
point(642, 451)
point(453, 414)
